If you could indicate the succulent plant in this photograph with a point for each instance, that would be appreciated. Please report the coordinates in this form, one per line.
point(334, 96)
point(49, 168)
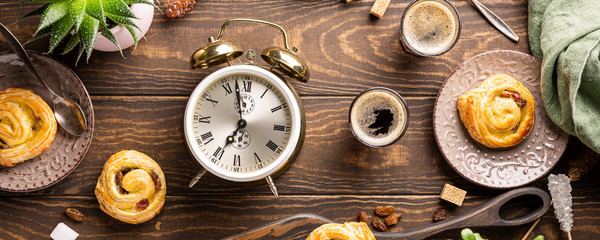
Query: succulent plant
point(85, 19)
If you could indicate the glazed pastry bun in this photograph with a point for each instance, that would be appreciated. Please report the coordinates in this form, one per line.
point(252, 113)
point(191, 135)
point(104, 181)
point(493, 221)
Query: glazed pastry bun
point(131, 188)
point(27, 126)
point(499, 113)
point(346, 231)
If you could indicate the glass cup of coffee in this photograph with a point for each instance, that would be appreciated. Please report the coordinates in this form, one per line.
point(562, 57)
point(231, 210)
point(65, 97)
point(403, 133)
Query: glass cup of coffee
point(378, 117)
point(429, 27)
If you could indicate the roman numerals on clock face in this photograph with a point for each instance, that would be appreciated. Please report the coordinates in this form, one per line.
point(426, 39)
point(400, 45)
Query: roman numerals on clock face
point(266, 111)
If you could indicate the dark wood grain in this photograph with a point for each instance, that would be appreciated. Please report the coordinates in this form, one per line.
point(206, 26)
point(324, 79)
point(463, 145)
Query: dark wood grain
point(297, 226)
point(139, 103)
point(487, 214)
point(154, 125)
point(211, 217)
point(340, 43)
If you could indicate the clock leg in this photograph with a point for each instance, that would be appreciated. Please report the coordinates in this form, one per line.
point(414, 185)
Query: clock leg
point(197, 177)
point(272, 186)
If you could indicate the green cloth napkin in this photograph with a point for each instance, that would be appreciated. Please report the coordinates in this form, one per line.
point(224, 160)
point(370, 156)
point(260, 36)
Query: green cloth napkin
point(565, 34)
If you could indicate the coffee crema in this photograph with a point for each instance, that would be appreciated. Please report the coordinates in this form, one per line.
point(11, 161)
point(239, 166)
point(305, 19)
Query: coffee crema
point(378, 117)
point(429, 27)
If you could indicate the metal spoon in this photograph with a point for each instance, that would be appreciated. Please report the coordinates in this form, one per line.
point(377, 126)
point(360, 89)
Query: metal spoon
point(68, 113)
point(495, 20)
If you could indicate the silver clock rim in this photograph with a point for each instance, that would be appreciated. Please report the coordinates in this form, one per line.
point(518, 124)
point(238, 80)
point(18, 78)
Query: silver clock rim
point(295, 134)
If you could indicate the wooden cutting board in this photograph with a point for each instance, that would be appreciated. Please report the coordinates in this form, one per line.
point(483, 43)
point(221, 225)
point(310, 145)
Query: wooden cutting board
point(487, 214)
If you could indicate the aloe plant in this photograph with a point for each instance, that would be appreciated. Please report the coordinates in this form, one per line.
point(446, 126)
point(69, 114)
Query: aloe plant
point(85, 18)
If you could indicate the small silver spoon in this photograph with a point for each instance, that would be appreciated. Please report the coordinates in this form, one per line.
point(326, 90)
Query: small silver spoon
point(495, 20)
point(68, 113)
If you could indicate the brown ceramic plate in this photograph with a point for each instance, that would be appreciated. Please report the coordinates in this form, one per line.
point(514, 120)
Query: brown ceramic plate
point(505, 168)
point(66, 152)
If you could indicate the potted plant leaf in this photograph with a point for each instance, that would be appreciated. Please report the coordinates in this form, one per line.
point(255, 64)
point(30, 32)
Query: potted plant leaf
point(89, 20)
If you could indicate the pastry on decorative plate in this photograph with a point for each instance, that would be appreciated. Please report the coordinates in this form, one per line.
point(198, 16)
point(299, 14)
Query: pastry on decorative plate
point(349, 230)
point(27, 126)
point(499, 113)
point(131, 188)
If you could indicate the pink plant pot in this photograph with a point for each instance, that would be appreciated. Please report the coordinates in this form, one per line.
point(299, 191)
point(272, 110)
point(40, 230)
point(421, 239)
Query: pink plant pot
point(144, 12)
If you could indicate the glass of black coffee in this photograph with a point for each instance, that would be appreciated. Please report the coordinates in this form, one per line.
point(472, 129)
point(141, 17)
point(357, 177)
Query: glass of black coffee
point(429, 27)
point(378, 117)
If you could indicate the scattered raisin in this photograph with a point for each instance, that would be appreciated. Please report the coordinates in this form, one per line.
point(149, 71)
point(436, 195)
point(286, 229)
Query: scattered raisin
point(378, 224)
point(142, 204)
point(157, 184)
point(439, 215)
point(384, 210)
point(393, 219)
point(178, 8)
point(362, 217)
point(75, 214)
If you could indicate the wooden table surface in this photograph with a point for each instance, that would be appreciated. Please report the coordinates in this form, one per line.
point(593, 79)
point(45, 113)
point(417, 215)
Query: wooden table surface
point(139, 103)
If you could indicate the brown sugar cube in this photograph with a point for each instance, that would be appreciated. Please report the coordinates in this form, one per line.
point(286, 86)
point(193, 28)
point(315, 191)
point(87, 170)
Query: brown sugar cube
point(379, 7)
point(453, 194)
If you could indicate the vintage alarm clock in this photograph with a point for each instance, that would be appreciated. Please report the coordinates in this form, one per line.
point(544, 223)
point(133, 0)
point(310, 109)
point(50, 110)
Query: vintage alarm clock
point(244, 122)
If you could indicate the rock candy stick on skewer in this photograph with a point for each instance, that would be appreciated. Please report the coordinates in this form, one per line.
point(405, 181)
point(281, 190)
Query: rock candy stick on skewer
point(560, 190)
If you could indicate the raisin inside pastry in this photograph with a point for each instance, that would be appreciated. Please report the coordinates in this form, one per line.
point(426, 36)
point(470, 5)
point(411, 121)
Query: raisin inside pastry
point(131, 188)
point(499, 113)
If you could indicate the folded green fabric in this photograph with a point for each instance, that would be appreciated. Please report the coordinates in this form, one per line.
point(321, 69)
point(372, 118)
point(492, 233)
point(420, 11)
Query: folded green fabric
point(565, 34)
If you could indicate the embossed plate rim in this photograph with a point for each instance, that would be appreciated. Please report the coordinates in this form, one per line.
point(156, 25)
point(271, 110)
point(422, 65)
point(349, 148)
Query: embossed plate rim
point(91, 121)
point(477, 146)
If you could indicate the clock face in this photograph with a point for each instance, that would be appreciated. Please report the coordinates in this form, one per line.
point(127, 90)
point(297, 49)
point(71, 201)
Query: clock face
point(253, 146)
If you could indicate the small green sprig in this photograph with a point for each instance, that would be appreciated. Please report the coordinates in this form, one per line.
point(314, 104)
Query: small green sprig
point(84, 18)
point(467, 234)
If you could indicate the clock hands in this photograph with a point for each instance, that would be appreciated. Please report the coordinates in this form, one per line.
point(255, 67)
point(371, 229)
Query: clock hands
point(239, 99)
point(241, 124)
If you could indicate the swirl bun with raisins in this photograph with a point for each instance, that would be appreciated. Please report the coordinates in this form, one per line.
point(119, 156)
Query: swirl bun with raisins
point(131, 188)
point(499, 113)
point(27, 126)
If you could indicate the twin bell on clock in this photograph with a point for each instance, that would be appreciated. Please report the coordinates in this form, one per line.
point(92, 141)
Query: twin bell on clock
point(245, 122)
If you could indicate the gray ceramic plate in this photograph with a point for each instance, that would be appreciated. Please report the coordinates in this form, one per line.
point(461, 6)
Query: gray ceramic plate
point(506, 168)
point(66, 152)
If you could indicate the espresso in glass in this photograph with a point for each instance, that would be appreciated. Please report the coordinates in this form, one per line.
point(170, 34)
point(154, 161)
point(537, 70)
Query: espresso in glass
point(430, 27)
point(378, 117)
